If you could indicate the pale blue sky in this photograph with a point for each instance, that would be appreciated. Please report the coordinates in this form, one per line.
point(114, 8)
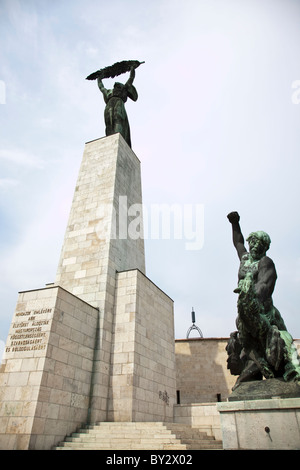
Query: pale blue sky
point(214, 124)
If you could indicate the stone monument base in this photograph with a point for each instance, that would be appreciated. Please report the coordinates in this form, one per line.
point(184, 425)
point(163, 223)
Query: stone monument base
point(262, 415)
point(46, 379)
point(262, 389)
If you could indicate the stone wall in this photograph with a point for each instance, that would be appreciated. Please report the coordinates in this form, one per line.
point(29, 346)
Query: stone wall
point(201, 370)
point(203, 416)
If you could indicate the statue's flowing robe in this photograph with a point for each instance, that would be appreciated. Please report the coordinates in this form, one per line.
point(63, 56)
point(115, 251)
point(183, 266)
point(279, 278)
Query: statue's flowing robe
point(115, 115)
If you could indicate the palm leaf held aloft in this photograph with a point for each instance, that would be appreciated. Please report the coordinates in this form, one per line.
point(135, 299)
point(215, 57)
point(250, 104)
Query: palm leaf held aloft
point(113, 70)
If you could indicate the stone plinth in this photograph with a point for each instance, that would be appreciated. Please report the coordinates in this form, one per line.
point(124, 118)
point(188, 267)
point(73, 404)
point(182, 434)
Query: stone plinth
point(143, 377)
point(261, 424)
point(262, 389)
point(104, 234)
point(97, 240)
point(46, 373)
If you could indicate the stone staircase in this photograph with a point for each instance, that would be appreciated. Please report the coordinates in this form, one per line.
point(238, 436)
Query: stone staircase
point(139, 436)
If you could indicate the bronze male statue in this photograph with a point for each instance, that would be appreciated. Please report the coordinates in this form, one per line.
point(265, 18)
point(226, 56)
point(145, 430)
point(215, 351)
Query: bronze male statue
point(261, 346)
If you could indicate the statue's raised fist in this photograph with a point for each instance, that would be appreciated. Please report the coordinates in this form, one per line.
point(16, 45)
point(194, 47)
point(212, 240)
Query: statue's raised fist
point(233, 217)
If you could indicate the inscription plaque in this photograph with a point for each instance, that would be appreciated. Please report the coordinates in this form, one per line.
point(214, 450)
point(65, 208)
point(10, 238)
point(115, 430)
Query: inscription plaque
point(29, 331)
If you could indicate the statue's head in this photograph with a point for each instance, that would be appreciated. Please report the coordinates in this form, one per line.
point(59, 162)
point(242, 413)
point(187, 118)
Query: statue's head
point(120, 91)
point(259, 243)
point(118, 86)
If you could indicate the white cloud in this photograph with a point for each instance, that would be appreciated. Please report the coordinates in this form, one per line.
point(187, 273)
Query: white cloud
point(22, 19)
point(46, 122)
point(8, 183)
point(21, 158)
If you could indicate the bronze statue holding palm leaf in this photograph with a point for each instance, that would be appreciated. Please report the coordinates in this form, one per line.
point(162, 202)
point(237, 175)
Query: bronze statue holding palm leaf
point(115, 115)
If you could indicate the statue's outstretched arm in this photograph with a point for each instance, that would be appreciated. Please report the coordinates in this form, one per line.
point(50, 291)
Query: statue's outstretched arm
point(131, 77)
point(237, 236)
point(102, 88)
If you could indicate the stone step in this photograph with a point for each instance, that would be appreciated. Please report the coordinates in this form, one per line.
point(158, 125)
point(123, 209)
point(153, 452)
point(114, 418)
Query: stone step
point(203, 444)
point(125, 441)
point(186, 431)
point(92, 432)
point(142, 446)
point(122, 439)
point(151, 444)
point(183, 430)
point(126, 424)
point(190, 443)
point(139, 436)
point(128, 447)
point(118, 436)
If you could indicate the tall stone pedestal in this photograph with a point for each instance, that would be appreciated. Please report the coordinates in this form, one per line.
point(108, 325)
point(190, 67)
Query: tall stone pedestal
point(97, 243)
point(98, 344)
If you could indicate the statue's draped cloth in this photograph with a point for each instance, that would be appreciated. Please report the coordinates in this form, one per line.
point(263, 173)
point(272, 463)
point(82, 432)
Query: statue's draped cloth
point(115, 115)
